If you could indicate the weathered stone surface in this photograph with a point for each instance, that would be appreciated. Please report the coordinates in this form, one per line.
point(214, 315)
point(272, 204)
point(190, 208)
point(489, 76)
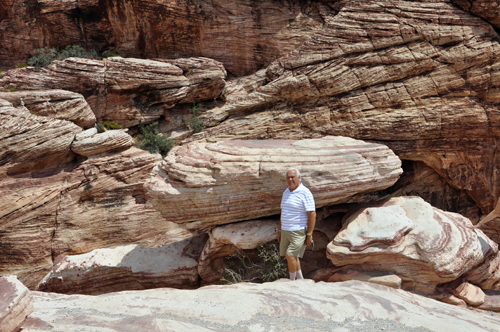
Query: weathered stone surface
point(57, 104)
point(126, 90)
point(16, 303)
point(441, 246)
point(127, 268)
point(102, 142)
point(93, 204)
point(469, 293)
point(487, 9)
point(491, 300)
point(346, 306)
point(207, 184)
point(244, 35)
point(29, 142)
point(225, 240)
point(389, 280)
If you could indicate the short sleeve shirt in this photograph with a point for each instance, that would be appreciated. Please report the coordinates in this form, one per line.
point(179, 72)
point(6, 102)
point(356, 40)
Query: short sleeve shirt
point(294, 207)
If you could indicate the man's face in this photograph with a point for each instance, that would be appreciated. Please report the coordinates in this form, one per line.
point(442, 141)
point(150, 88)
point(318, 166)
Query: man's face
point(292, 179)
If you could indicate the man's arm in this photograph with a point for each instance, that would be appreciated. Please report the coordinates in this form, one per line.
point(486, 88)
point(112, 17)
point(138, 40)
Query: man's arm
point(279, 231)
point(311, 222)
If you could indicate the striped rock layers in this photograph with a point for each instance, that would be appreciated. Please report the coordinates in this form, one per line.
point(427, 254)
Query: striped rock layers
point(206, 184)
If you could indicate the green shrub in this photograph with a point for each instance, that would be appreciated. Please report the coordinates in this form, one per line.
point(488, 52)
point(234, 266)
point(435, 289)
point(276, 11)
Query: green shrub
point(43, 57)
point(21, 65)
point(76, 51)
point(269, 266)
point(110, 54)
point(2, 72)
point(151, 141)
point(100, 128)
point(12, 89)
point(195, 123)
point(111, 125)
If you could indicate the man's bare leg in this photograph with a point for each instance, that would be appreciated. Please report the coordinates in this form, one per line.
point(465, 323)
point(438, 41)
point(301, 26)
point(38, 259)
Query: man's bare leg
point(293, 265)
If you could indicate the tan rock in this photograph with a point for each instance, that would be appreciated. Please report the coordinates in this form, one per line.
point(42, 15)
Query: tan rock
point(225, 240)
point(256, 307)
point(16, 303)
point(440, 247)
point(218, 183)
point(389, 280)
point(469, 293)
point(487, 9)
point(128, 267)
point(102, 142)
point(126, 90)
point(57, 104)
point(491, 300)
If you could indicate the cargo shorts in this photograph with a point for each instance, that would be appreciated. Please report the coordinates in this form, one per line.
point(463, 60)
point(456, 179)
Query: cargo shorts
point(292, 242)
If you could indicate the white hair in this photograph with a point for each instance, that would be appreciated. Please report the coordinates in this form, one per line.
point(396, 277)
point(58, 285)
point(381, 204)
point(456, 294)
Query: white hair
point(292, 169)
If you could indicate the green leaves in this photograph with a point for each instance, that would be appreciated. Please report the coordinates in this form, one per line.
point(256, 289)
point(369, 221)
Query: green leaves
point(151, 141)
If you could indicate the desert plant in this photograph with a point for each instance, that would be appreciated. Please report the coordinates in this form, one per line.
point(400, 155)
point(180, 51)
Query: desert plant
point(195, 123)
point(110, 54)
point(111, 125)
point(151, 141)
point(100, 128)
point(76, 51)
point(2, 71)
point(21, 65)
point(12, 89)
point(269, 266)
point(43, 57)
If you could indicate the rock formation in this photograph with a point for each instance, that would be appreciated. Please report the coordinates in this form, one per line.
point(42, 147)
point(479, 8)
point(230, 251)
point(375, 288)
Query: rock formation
point(16, 303)
point(127, 268)
point(410, 238)
point(127, 91)
point(57, 104)
point(303, 304)
point(206, 184)
point(91, 143)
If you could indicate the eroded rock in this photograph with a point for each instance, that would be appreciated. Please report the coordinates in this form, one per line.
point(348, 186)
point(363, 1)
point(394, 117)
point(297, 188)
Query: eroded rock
point(16, 303)
point(439, 248)
point(127, 268)
point(207, 184)
point(101, 142)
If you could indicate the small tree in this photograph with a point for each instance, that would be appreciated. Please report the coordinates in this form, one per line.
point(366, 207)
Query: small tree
point(195, 123)
point(151, 141)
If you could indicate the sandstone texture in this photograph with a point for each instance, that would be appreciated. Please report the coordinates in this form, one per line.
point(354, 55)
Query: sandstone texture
point(57, 104)
point(127, 268)
point(276, 306)
point(206, 184)
point(16, 303)
point(225, 240)
point(244, 35)
point(408, 237)
point(126, 90)
point(101, 142)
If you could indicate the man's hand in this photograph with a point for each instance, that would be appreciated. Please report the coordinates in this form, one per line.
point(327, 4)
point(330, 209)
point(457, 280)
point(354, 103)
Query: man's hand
point(279, 235)
point(309, 240)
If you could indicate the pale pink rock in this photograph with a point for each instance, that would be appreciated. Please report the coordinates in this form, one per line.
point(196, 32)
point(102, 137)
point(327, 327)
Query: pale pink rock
point(128, 267)
point(110, 140)
point(491, 300)
point(469, 293)
point(57, 104)
point(16, 303)
point(439, 248)
point(206, 184)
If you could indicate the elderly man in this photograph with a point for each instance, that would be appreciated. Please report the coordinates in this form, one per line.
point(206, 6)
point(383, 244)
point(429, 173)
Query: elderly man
point(298, 218)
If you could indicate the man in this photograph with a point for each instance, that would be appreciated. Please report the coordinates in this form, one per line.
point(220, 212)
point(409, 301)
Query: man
point(298, 218)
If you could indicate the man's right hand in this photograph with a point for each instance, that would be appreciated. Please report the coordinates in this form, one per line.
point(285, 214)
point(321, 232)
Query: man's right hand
point(279, 235)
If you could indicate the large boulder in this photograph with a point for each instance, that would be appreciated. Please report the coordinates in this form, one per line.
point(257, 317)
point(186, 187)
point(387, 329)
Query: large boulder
point(276, 306)
point(207, 184)
point(127, 268)
point(126, 90)
point(408, 237)
point(16, 303)
point(91, 143)
point(57, 104)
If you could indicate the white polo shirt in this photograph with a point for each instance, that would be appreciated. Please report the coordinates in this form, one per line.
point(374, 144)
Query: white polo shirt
point(294, 207)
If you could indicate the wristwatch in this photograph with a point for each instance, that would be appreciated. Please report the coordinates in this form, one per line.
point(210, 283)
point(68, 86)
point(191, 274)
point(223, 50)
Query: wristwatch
point(309, 233)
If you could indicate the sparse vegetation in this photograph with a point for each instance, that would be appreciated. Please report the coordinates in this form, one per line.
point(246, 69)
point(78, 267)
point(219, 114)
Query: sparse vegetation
point(111, 125)
point(100, 128)
point(2, 71)
point(269, 266)
point(151, 141)
point(45, 56)
point(33, 112)
point(21, 65)
point(12, 89)
point(195, 123)
point(109, 54)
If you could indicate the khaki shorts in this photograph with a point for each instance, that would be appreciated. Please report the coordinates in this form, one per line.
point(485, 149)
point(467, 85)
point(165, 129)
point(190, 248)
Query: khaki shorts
point(292, 242)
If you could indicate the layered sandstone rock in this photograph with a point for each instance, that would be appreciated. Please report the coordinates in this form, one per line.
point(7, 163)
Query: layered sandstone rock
point(89, 145)
point(346, 306)
point(57, 104)
point(487, 9)
point(16, 303)
point(127, 268)
point(225, 240)
point(244, 35)
point(408, 237)
point(207, 184)
point(126, 90)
